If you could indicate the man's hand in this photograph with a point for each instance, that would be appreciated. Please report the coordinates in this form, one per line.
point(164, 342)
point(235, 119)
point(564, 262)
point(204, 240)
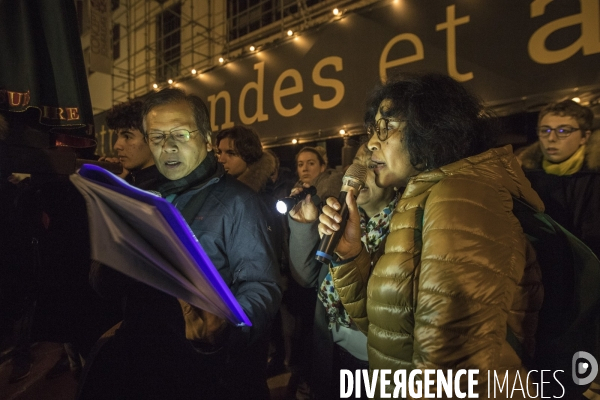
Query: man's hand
point(350, 244)
point(200, 325)
point(115, 160)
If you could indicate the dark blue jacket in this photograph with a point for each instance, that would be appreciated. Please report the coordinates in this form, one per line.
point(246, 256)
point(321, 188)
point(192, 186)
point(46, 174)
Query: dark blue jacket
point(232, 228)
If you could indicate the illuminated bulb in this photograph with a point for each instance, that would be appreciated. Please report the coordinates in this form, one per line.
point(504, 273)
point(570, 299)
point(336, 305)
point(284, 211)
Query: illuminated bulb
point(336, 11)
point(221, 59)
point(290, 32)
point(170, 81)
point(252, 48)
point(576, 99)
point(342, 131)
point(194, 71)
point(155, 86)
point(294, 141)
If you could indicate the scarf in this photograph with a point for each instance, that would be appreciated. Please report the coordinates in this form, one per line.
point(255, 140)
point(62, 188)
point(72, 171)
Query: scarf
point(374, 230)
point(200, 174)
point(568, 167)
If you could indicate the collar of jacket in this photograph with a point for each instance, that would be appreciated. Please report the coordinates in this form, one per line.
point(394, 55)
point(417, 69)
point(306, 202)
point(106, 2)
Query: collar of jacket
point(145, 177)
point(208, 169)
point(532, 156)
point(258, 174)
point(498, 165)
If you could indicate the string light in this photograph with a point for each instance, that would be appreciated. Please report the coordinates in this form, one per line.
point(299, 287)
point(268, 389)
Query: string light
point(170, 81)
point(221, 59)
point(294, 141)
point(342, 131)
point(252, 48)
point(290, 32)
point(155, 86)
point(576, 99)
point(194, 71)
point(336, 11)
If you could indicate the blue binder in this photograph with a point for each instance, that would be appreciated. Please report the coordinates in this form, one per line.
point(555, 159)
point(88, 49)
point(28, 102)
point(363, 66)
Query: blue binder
point(179, 228)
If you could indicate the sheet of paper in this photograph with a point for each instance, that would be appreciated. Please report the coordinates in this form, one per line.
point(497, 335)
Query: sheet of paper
point(134, 238)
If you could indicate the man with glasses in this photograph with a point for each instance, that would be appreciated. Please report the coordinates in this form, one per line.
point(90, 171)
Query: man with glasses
point(218, 361)
point(564, 168)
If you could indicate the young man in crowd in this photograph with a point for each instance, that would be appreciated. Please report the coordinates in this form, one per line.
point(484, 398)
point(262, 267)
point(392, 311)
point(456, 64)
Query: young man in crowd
point(132, 149)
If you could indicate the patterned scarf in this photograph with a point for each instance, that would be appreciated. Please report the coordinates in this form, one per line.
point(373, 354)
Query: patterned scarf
point(203, 172)
point(374, 230)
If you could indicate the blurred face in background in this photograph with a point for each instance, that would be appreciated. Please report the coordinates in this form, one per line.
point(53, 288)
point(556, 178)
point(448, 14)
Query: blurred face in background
point(175, 159)
point(557, 149)
point(132, 150)
point(308, 166)
point(230, 158)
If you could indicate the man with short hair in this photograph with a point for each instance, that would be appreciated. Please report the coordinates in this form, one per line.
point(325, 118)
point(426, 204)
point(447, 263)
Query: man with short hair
point(230, 223)
point(132, 149)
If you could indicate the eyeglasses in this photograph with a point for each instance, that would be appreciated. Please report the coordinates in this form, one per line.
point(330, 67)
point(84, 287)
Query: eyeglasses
point(562, 132)
point(381, 127)
point(179, 135)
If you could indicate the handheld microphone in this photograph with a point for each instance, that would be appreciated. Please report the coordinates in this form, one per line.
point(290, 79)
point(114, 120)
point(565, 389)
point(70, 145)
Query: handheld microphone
point(287, 203)
point(354, 178)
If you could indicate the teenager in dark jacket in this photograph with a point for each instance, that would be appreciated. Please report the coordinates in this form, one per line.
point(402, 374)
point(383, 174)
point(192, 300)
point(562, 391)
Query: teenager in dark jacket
point(564, 168)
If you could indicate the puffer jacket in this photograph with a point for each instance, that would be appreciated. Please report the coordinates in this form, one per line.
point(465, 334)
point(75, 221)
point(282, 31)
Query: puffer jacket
point(457, 270)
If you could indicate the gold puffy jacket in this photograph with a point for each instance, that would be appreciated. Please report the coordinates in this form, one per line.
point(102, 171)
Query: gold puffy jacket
point(456, 271)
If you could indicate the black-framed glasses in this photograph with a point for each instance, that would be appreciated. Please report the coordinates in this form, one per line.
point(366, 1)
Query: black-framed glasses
point(562, 132)
point(178, 135)
point(382, 128)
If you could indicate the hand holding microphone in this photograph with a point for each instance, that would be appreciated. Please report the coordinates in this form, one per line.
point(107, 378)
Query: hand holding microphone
point(333, 222)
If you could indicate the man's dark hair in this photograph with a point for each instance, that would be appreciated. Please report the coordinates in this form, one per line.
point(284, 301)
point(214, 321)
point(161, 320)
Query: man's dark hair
point(171, 95)
point(245, 142)
point(126, 115)
point(444, 122)
point(568, 108)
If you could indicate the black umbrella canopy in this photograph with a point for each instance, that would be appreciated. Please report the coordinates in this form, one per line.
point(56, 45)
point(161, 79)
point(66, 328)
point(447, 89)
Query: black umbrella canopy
point(43, 82)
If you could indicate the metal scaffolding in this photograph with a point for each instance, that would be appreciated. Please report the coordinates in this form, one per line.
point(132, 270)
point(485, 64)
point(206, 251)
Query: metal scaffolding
point(160, 40)
point(149, 54)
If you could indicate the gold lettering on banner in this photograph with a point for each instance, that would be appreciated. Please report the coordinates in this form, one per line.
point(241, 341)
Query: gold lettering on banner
point(18, 99)
point(213, 99)
point(278, 92)
point(589, 41)
point(60, 113)
point(335, 84)
point(384, 64)
point(258, 86)
point(450, 25)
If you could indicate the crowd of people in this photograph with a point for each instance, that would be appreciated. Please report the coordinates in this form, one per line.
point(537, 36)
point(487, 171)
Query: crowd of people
point(431, 270)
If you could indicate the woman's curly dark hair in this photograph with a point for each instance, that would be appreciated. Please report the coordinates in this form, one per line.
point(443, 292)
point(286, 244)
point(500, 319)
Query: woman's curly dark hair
point(444, 122)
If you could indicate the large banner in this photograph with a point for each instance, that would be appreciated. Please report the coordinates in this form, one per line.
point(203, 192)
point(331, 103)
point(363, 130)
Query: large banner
point(517, 55)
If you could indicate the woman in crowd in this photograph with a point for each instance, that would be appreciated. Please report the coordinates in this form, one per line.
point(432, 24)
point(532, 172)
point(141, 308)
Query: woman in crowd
point(457, 269)
point(311, 164)
point(564, 168)
point(337, 342)
point(298, 305)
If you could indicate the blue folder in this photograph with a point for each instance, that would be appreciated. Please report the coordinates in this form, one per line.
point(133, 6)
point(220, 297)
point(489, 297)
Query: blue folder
point(179, 227)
